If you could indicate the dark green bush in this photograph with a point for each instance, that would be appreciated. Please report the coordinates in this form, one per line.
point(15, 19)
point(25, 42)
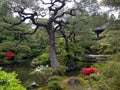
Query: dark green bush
point(41, 60)
point(54, 85)
point(60, 70)
point(55, 78)
point(115, 57)
point(107, 78)
point(2, 54)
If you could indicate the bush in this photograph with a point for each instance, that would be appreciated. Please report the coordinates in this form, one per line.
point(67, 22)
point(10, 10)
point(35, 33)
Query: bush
point(54, 85)
point(98, 82)
point(19, 56)
point(108, 77)
point(115, 57)
point(8, 81)
point(2, 54)
point(60, 70)
point(43, 72)
point(55, 78)
point(42, 69)
point(41, 60)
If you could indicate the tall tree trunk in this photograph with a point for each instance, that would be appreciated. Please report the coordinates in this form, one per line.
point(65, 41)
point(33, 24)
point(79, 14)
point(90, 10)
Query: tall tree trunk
point(67, 47)
point(74, 37)
point(52, 50)
point(71, 64)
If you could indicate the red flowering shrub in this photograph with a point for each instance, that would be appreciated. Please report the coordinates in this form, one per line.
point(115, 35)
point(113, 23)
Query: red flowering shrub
point(88, 71)
point(10, 54)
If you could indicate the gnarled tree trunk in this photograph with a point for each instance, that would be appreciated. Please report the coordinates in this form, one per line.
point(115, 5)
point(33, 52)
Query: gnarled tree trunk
point(52, 49)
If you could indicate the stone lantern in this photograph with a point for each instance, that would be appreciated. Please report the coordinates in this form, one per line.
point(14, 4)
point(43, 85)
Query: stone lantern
point(100, 29)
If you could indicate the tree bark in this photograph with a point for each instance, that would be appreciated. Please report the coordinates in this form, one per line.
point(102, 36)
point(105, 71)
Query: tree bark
point(66, 45)
point(52, 50)
point(67, 48)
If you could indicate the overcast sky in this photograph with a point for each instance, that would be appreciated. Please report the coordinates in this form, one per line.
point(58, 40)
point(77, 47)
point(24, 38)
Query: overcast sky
point(103, 9)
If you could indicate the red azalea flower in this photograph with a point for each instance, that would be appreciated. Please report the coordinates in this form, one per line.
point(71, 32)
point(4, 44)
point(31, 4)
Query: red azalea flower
point(88, 71)
point(94, 69)
point(10, 54)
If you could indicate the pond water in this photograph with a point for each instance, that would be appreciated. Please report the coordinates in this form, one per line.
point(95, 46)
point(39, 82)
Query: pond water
point(23, 70)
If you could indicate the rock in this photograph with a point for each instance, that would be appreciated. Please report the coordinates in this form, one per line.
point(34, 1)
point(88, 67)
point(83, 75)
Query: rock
point(34, 85)
point(73, 81)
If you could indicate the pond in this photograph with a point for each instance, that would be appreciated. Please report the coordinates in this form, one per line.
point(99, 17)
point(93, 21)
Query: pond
point(23, 69)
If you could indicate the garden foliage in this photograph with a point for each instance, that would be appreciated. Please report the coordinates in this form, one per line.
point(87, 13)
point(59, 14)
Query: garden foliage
point(8, 81)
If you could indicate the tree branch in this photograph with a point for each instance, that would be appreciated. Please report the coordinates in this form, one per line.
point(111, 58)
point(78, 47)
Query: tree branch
point(18, 42)
point(47, 3)
point(55, 10)
point(66, 13)
point(14, 24)
point(30, 33)
point(27, 33)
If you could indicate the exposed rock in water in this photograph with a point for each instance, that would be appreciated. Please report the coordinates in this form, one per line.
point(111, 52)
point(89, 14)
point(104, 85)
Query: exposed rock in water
point(73, 81)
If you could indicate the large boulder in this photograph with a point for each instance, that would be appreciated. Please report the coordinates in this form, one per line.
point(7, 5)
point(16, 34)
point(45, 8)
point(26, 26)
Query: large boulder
point(73, 81)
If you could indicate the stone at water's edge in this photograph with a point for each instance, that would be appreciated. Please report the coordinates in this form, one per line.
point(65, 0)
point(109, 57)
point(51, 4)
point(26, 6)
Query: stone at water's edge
point(73, 81)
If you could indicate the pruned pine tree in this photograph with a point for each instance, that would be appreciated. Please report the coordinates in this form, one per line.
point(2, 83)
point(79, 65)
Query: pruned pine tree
point(35, 11)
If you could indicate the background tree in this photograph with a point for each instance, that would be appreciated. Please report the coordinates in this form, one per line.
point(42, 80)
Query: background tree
point(76, 41)
point(114, 6)
point(114, 3)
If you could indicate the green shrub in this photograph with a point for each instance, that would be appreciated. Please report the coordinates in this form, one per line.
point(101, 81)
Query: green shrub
point(60, 70)
point(81, 64)
point(42, 69)
point(55, 78)
point(111, 69)
point(20, 56)
point(8, 81)
point(115, 57)
point(41, 60)
point(54, 85)
point(107, 78)
point(98, 82)
point(43, 72)
point(61, 41)
point(2, 54)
